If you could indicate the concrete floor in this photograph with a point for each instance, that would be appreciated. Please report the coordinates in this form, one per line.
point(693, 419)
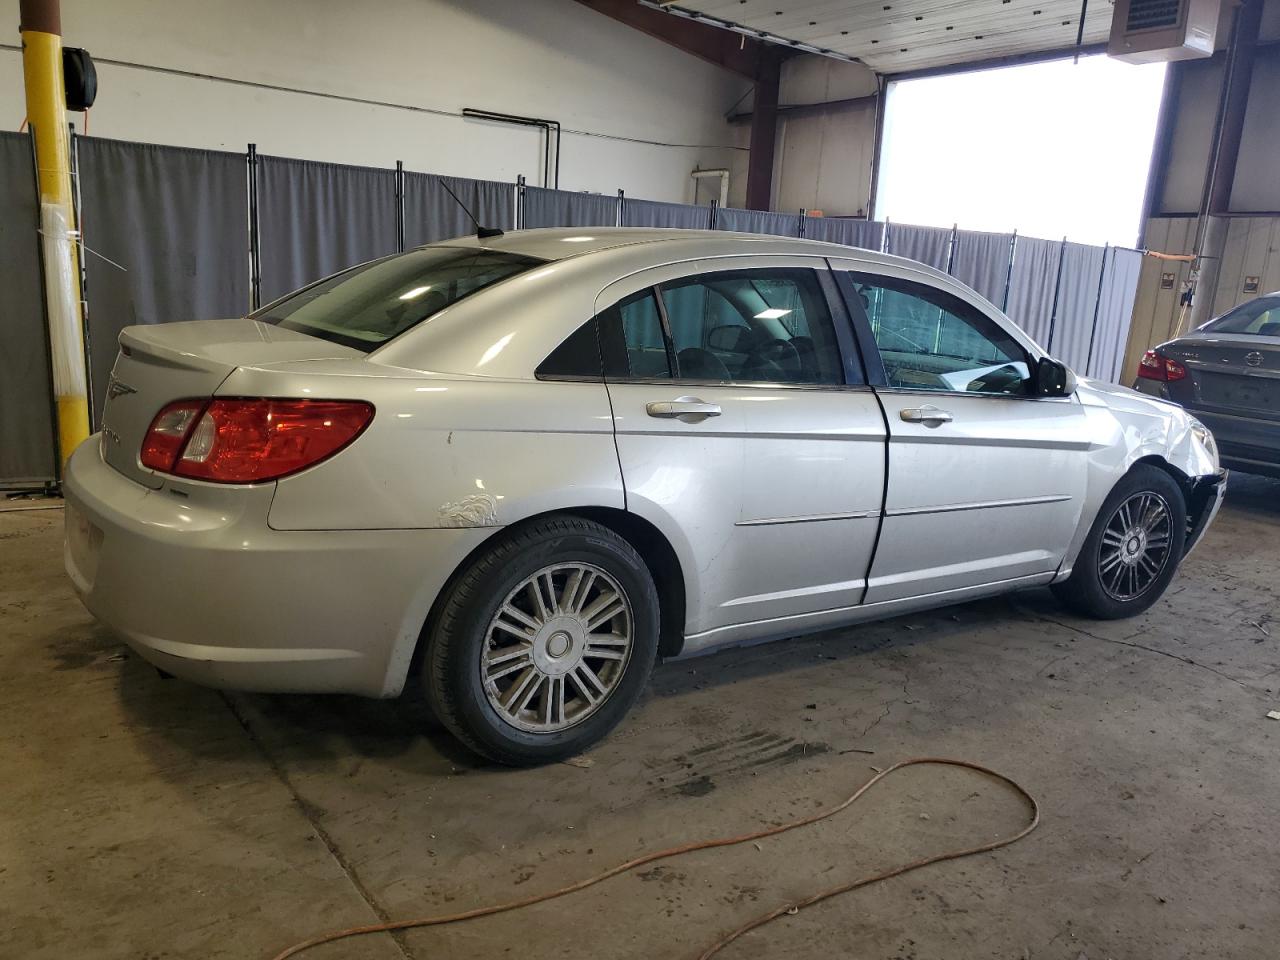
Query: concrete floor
point(145, 818)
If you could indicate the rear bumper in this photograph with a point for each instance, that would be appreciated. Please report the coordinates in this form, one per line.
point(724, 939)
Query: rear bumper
point(201, 587)
point(1202, 506)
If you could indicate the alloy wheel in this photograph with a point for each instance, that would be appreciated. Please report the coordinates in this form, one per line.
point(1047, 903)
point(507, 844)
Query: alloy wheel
point(1135, 546)
point(557, 647)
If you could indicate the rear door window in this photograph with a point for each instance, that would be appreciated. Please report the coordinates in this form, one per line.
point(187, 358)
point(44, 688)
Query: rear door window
point(752, 326)
point(743, 326)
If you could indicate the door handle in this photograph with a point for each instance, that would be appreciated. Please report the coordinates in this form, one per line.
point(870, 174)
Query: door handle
point(929, 415)
point(684, 409)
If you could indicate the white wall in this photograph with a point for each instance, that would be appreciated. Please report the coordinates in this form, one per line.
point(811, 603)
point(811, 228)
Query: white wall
point(825, 158)
point(1252, 249)
point(637, 113)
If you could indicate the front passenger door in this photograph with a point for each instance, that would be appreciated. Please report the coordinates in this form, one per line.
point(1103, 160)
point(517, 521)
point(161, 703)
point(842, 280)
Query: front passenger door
point(986, 479)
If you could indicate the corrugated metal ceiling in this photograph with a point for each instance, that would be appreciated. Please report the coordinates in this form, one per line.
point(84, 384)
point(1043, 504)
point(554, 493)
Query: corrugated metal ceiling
point(894, 36)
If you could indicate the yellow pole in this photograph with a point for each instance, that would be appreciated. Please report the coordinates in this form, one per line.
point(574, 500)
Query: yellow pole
point(41, 28)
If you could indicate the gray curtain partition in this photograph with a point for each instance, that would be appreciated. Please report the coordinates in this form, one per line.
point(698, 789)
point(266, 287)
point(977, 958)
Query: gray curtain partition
point(562, 208)
point(758, 221)
point(926, 244)
point(1119, 288)
point(27, 445)
point(430, 214)
point(981, 260)
point(166, 238)
point(673, 216)
point(1077, 301)
point(317, 218)
point(867, 234)
point(174, 221)
point(1035, 275)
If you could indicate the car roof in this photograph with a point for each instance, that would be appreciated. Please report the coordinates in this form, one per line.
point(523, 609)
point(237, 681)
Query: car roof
point(477, 335)
point(562, 243)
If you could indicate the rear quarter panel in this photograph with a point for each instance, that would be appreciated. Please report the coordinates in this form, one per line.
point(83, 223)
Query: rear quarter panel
point(446, 451)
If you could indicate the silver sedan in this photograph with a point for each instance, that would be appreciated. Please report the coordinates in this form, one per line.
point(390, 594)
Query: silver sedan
point(527, 466)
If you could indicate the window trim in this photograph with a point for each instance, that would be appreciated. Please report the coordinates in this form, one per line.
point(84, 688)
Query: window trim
point(597, 377)
point(866, 337)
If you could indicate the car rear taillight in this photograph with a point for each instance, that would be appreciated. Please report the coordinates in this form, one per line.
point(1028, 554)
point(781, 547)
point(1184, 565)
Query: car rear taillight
point(250, 440)
point(168, 432)
point(1155, 367)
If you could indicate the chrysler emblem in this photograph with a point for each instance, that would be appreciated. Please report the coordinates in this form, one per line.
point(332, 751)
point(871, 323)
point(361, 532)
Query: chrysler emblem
point(1253, 358)
point(117, 389)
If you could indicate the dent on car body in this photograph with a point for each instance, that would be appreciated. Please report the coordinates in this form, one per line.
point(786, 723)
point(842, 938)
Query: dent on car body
point(477, 510)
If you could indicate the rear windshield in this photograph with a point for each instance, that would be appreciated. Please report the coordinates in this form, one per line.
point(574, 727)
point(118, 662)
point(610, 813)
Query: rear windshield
point(1259, 317)
point(366, 306)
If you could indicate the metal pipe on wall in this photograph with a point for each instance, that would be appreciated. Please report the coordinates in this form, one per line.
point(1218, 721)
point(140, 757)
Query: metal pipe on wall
point(722, 173)
point(41, 31)
point(518, 120)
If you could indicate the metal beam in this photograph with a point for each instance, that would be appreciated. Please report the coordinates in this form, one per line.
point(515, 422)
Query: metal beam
point(764, 133)
point(736, 53)
point(991, 63)
point(1170, 100)
point(1238, 80)
point(811, 109)
point(1221, 177)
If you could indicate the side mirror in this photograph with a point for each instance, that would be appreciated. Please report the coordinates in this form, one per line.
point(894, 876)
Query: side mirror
point(1053, 379)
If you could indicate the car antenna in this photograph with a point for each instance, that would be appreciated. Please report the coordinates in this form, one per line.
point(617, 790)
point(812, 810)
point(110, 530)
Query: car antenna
point(481, 232)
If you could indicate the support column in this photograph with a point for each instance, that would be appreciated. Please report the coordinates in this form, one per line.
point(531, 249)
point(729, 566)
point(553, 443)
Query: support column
point(41, 29)
point(1237, 79)
point(764, 132)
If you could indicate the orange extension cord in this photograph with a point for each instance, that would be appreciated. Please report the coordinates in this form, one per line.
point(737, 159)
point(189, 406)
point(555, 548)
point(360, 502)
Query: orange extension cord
point(754, 923)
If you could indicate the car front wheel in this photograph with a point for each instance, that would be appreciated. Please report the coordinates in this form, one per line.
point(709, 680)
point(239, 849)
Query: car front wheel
point(544, 642)
point(1132, 550)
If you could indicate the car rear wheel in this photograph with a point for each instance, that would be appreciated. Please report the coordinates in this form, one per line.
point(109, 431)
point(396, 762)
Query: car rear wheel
point(1132, 550)
point(544, 642)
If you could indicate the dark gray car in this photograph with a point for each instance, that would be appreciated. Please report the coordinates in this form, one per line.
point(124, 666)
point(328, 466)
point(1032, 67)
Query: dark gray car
point(1228, 374)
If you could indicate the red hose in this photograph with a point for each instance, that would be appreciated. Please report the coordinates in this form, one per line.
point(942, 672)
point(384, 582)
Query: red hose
point(764, 918)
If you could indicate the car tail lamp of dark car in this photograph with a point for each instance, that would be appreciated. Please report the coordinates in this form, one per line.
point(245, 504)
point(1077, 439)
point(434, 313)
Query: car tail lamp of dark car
point(1153, 366)
point(250, 440)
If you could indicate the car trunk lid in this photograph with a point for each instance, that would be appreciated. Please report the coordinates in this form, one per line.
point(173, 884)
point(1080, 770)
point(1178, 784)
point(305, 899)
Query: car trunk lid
point(1238, 376)
point(176, 361)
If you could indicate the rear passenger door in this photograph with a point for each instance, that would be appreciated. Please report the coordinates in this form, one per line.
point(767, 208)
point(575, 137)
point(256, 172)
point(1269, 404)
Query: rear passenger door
point(986, 479)
point(745, 428)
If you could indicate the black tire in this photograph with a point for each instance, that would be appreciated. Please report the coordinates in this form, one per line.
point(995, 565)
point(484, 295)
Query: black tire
point(452, 667)
point(1085, 591)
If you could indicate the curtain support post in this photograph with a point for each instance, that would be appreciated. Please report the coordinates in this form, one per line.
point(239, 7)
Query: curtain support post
point(255, 233)
point(400, 205)
point(1008, 275)
point(1097, 306)
point(1057, 288)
